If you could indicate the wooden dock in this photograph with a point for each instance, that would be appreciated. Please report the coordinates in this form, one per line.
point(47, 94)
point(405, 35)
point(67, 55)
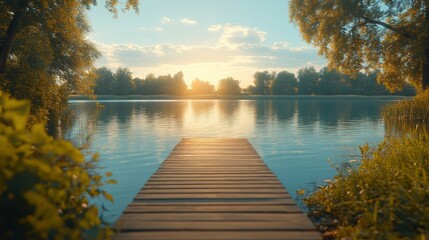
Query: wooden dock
point(212, 188)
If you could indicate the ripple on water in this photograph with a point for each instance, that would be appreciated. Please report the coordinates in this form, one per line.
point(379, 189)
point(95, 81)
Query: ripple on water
point(294, 137)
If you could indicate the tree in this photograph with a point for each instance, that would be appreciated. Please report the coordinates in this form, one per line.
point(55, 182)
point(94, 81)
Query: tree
point(55, 18)
point(201, 87)
point(331, 82)
point(249, 90)
point(262, 81)
point(284, 83)
point(44, 52)
point(178, 85)
point(392, 36)
point(308, 80)
point(229, 86)
point(138, 86)
point(104, 81)
point(123, 84)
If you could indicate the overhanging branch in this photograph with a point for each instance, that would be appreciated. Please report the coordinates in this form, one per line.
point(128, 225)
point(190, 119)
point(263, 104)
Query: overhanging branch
point(387, 26)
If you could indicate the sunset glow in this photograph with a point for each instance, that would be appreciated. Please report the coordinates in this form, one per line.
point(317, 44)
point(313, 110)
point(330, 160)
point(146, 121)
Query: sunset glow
point(209, 40)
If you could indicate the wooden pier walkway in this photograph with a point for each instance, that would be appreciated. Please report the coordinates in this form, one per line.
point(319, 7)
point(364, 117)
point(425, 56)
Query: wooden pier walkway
point(212, 188)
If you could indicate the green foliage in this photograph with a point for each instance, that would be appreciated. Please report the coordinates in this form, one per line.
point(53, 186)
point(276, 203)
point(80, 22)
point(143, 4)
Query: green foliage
point(263, 81)
point(122, 83)
point(308, 80)
point(44, 183)
point(104, 81)
point(45, 54)
point(386, 196)
point(284, 83)
point(229, 86)
point(49, 47)
point(324, 82)
point(391, 36)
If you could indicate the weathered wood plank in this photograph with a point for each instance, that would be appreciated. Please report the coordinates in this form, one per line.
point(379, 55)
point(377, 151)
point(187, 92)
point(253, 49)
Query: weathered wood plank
point(212, 175)
point(291, 208)
point(210, 195)
point(218, 202)
point(223, 182)
point(224, 177)
point(214, 186)
point(295, 218)
point(213, 189)
point(291, 225)
point(219, 235)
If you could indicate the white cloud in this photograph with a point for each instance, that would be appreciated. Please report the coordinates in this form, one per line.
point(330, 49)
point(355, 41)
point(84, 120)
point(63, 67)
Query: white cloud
point(188, 21)
point(280, 45)
point(158, 29)
point(215, 28)
point(166, 20)
point(236, 36)
point(239, 51)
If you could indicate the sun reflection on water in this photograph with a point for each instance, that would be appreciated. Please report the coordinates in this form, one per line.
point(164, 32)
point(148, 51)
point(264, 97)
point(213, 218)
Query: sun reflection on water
point(294, 137)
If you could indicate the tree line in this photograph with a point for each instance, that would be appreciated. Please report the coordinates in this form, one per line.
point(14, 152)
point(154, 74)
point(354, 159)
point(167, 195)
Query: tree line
point(122, 83)
point(323, 82)
point(307, 82)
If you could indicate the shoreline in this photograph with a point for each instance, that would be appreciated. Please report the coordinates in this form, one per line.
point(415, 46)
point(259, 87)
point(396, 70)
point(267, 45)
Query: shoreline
point(237, 97)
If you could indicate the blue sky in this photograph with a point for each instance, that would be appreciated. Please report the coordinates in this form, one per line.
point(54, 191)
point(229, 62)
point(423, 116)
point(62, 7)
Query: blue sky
point(205, 39)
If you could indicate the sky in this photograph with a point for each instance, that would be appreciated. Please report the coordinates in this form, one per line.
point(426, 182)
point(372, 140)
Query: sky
point(205, 39)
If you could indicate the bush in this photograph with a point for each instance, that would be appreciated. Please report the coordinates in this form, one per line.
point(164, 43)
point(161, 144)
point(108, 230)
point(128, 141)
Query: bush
point(385, 197)
point(44, 183)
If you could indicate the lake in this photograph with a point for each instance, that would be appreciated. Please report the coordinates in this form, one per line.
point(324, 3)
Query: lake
point(296, 137)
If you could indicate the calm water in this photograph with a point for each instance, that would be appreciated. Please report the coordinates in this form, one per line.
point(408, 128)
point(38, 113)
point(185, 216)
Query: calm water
point(294, 137)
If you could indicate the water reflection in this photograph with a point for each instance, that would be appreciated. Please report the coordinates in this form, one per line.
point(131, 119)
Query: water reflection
point(295, 137)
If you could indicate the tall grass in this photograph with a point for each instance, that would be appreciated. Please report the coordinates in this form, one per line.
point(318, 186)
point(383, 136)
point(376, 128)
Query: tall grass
point(386, 196)
point(408, 116)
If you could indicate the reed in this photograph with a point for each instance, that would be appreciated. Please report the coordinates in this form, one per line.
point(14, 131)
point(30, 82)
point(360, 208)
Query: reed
point(386, 194)
point(408, 116)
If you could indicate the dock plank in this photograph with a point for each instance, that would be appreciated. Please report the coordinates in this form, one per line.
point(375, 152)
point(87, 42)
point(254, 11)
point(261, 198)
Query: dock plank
point(213, 188)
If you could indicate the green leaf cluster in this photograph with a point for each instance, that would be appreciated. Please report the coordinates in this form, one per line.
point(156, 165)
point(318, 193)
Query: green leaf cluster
point(46, 53)
point(45, 186)
point(387, 35)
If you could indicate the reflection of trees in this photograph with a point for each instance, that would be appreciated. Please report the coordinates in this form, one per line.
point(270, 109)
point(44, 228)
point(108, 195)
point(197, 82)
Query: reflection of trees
point(328, 112)
point(262, 109)
point(123, 111)
point(82, 123)
point(228, 108)
point(331, 112)
point(172, 110)
point(202, 107)
point(120, 110)
point(283, 110)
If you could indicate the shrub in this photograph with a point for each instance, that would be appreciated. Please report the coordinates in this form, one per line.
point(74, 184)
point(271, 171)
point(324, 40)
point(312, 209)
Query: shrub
point(385, 197)
point(44, 183)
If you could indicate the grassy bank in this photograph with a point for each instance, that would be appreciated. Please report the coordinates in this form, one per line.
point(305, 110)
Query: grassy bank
point(237, 97)
point(386, 195)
